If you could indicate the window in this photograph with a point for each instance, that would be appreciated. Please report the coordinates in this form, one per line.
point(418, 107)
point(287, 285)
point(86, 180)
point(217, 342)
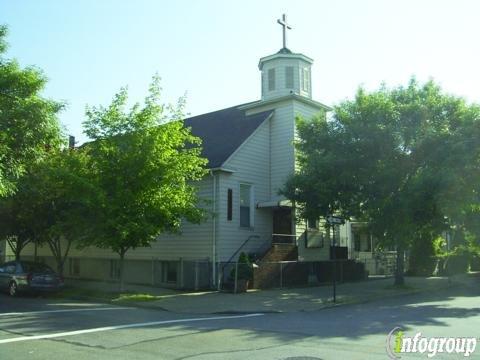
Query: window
point(305, 79)
point(312, 223)
point(246, 201)
point(314, 239)
point(289, 77)
point(229, 204)
point(271, 79)
point(169, 271)
point(114, 269)
point(74, 266)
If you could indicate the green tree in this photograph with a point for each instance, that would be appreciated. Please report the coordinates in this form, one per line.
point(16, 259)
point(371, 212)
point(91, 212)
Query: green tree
point(146, 164)
point(61, 197)
point(17, 221)
point(28, 122)
point(384, 159)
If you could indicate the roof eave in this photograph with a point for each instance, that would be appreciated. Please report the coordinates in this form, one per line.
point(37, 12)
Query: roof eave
point(284, 56)
point(222, 169)
point(287, 97)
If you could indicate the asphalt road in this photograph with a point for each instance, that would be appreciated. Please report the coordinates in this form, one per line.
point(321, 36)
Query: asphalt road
point(36, 328)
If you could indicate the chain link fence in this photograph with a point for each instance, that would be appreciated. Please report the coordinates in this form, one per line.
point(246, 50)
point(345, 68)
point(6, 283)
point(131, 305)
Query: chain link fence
point(298, 273)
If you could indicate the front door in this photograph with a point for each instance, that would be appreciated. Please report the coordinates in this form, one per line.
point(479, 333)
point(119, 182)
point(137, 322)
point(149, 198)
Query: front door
point(282, 225)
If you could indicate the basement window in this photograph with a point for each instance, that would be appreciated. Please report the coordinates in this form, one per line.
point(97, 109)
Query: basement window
point(74, 266)
point(114, 269)
point(169, 271)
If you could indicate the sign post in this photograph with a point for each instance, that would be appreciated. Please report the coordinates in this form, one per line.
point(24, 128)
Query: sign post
point(333, 221)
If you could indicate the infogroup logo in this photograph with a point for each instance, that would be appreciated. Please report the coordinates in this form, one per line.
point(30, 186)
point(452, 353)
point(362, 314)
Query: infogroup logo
point(398, 343)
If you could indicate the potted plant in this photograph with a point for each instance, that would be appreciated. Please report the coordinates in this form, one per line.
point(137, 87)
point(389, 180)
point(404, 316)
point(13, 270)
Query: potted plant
point(242, 273)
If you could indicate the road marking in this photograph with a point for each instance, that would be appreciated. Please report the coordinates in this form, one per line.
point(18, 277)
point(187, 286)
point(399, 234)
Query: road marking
point(62, 311)
point(118, 327)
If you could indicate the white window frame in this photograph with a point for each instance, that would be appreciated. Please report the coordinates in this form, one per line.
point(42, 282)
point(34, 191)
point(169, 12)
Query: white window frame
point(251, 205)
point(305, 79)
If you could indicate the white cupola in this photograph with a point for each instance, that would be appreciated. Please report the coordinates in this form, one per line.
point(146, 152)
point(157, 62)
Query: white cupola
point(285, 72)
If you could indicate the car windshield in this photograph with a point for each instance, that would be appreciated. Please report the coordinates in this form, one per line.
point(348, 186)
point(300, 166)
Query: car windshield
point(36, 268)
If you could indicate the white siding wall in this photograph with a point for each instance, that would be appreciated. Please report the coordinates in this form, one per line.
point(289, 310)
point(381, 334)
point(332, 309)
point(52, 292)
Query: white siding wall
point(3, 250)
point(282, 129)
point(195, 242)
point(251, 163)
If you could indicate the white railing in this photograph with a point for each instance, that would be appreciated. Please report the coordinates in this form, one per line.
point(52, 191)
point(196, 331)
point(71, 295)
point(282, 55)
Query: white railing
point(284, 239)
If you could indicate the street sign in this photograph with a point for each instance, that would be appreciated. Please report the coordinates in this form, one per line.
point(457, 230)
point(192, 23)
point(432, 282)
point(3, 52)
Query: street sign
point(335, 220)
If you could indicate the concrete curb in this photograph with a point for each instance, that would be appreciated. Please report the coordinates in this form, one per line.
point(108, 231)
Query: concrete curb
point(350, 301)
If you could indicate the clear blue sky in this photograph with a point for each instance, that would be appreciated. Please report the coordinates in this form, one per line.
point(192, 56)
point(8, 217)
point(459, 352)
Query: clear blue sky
point(210, 49)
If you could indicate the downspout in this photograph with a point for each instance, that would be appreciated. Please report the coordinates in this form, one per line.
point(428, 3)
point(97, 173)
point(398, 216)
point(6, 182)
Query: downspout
point(214, 232)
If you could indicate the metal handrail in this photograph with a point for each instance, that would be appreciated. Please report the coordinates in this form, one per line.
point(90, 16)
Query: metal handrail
point(241, 246)
point(220, 280)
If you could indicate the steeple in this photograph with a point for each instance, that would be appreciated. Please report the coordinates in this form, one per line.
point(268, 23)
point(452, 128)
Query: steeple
point(285, 27)
point(285, 72)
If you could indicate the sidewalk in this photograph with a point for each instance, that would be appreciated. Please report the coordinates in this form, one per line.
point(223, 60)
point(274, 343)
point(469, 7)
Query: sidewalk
point(282, 300)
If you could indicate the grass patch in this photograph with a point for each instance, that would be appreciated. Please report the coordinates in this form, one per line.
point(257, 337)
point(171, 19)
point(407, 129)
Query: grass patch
point(114, 296)
point(136, 297)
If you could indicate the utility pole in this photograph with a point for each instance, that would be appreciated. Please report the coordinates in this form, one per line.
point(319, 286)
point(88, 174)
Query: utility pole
point(332, 221)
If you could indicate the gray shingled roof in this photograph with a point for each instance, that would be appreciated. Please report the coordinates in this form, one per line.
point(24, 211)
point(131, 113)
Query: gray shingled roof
point(223, 131)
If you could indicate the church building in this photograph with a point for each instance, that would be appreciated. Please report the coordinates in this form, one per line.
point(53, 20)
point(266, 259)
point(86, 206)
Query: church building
point(251, 153)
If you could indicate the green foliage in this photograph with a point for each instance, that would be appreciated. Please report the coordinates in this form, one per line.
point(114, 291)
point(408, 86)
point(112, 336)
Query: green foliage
point(404, 160)
point(17, 220)
point(55, 199)
point(424, 254)
point(145, 164)
point(245, 268)
point(28, 122)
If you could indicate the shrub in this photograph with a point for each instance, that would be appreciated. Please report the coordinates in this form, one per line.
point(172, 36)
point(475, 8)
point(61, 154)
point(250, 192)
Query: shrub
point(245, 268)
point(456, 263)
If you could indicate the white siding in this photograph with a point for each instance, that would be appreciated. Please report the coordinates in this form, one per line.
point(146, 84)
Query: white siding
point(195, 241)
point(305, 110)
point(282, 159)
point(281, 88)
point(251, 163)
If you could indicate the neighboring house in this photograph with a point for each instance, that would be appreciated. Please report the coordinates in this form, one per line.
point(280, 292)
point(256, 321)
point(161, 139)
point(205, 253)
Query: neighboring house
point(251, 154)
point(3, 250)
point(364, 247)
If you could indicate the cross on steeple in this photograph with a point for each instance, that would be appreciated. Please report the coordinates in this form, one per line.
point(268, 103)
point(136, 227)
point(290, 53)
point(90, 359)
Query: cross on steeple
point(285, 26)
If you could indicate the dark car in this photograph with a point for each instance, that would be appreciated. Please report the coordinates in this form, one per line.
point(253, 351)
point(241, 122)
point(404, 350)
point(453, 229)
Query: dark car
point(26, 276)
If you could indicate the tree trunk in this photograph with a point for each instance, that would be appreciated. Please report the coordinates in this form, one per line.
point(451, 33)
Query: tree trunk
point(18, 250)
point(56, 249)
point(400, 268)
point(13, 244)
point(17, 245)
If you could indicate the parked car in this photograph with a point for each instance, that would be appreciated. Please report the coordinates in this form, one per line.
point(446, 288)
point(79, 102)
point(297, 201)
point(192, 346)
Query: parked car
point(26, 276)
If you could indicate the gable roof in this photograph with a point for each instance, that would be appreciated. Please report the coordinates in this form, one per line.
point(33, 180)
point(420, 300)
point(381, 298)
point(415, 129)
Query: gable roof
point(223, 131)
